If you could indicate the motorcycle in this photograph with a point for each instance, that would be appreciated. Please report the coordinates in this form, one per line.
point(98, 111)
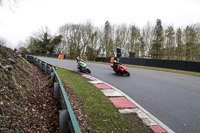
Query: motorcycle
point(121, 69)
point(82, 66)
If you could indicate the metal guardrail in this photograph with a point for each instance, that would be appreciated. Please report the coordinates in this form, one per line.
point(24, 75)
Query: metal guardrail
point(67, 119)
point(43, 54)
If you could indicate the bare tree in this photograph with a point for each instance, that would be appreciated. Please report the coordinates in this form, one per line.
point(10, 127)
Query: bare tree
point(85, 40)
point(197, 42)
point(120, 34)
point(10, 1)
point(2, 42)
point(147, 34)
point(134, 39)
point(180, 54)
point(71, 39)
point(11, 4)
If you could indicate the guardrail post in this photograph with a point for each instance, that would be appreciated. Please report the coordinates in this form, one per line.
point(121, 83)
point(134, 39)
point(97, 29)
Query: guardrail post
point(56, 90)
point(48, 69)
point(52, 74)
point(26, 57)
point(34, 60)
point(63, 116)
point(51, 69)
point(45, 68)
point(41, 65)
point(38, 62)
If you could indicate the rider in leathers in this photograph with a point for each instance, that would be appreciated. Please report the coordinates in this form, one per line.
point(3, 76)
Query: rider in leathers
point(115, 65)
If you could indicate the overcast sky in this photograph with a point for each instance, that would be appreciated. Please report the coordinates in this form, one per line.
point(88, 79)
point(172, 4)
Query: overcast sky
point(19, 20)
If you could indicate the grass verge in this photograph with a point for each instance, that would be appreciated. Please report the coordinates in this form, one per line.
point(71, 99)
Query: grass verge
point(102, 114)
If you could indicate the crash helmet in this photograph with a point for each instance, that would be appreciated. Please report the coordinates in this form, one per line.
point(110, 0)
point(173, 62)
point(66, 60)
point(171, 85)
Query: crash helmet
point(77, 58)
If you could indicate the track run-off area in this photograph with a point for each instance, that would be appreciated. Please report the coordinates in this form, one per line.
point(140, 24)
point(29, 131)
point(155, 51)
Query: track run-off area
point(172, 98)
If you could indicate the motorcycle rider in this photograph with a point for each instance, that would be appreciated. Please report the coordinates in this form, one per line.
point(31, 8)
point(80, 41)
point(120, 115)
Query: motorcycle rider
point(78, 60)
point(116, 64)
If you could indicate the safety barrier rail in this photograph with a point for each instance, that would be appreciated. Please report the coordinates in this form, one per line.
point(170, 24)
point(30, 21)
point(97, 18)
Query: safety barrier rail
point(67, 119)
point(43, 54)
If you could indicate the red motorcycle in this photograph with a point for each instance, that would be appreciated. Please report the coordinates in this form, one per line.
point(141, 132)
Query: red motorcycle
point(120, 69)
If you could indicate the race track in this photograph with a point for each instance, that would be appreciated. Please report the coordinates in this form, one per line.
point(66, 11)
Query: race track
point(172, 98)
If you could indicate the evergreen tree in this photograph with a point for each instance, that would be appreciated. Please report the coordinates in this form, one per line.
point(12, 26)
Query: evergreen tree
point(54, 43)
point(90, 52)
point(190, 36)
point(118, 39)
point(111, 48)
point(43, 44)
point(170, 42)
point(106, 38)
point(142, 47)
point(157, 45)
point(134, 40)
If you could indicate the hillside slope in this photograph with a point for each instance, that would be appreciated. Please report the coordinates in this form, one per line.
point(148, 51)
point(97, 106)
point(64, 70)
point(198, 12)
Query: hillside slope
point(26, 104)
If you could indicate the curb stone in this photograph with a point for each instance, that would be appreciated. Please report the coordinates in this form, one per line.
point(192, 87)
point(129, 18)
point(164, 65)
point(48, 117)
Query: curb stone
point(156, 125)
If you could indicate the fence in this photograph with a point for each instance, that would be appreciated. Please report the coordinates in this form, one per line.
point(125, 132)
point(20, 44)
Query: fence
point(67, 119)
point(170, 64)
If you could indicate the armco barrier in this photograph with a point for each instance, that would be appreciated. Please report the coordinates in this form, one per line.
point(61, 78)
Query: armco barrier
point(43, 54)
point(67, 119)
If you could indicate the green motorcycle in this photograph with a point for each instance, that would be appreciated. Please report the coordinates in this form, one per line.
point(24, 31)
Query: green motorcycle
point(82, 66)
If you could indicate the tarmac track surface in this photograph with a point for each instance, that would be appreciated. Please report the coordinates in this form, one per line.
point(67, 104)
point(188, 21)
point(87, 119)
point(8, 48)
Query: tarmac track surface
point(172, 98)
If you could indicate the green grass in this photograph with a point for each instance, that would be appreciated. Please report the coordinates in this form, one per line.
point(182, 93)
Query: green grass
point(102, 114)
point(157, 68)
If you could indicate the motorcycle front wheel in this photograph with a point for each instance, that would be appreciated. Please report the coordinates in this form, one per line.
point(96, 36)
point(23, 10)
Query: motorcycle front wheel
point(127, 74)
point(88, 71)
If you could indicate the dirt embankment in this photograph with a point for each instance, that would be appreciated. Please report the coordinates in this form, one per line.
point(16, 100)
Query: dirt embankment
point(26, 105)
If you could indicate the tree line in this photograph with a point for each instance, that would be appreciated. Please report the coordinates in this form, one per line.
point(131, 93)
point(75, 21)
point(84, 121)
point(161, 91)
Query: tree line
point(151, 41)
